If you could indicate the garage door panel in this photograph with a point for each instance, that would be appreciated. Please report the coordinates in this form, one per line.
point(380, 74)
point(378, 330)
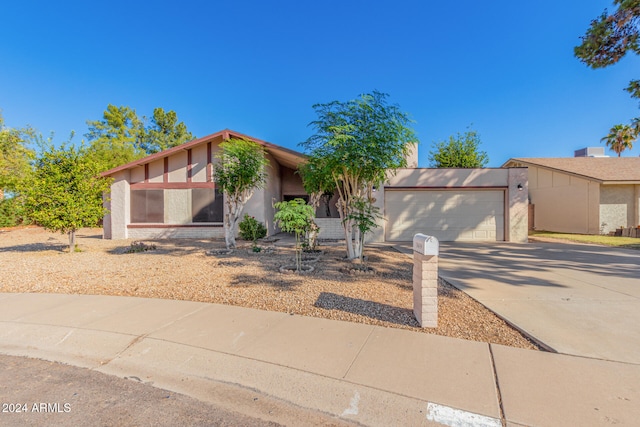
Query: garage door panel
point(448, 215)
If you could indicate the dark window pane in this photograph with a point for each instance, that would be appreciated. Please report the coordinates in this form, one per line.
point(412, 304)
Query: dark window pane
point(147, 206)
point(206, 205)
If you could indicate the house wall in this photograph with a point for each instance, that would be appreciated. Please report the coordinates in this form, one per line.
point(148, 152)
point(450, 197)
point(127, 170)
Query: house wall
point(119, 216)
point(177, 206)
point(261, 203)
point(617, 207)
point(291, 183)
point(564, 203)
point(516, 201)
point(178, 167)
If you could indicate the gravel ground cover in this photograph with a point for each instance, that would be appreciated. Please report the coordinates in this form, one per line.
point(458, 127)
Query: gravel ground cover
point(34, 260)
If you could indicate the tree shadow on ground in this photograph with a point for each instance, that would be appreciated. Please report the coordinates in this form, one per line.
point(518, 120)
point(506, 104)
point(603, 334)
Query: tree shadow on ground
point(371, 309)
point(287, 283)
point(37, 247)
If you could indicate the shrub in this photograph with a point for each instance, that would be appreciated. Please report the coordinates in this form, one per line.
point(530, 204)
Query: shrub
point(11, 212)
point(251, 229)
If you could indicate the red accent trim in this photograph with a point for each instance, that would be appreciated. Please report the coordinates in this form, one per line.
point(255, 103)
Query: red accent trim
point(170, 185)
point(209, 171)
point(225, 134)
point(165, 176)
point(153, 225)
point(189, 165)
point(446, 188)
point(146, 172)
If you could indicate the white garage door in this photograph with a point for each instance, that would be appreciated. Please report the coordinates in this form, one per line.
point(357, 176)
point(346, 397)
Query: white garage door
point(449, 215)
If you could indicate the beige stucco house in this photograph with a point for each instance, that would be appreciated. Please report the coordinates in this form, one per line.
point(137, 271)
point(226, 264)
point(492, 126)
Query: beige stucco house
point(173, 194)
point(590, 195)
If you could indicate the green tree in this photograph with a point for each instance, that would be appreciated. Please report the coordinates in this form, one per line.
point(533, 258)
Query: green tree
point(460, 151)
point(65, 191)
point(15, 157)
point(294, 216)
point(239, 170)
point(610, 37)
point(361, 142)
point(164, 132)
point(115, 140)
point(620, 138)
point(121, 136)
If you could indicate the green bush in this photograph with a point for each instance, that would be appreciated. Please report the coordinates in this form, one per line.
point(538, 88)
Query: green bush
point(11, 214)
point(251, 229)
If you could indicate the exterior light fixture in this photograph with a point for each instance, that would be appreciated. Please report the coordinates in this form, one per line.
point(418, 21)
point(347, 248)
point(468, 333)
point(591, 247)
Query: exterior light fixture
point(520, 187)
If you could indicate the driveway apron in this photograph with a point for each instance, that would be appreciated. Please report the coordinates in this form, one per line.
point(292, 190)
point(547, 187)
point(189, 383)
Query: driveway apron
point(577, 299)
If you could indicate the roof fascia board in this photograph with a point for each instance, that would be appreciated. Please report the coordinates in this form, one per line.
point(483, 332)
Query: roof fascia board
point(577, 175)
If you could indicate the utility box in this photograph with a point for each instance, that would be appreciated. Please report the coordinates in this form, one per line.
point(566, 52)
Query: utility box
point(425, 280)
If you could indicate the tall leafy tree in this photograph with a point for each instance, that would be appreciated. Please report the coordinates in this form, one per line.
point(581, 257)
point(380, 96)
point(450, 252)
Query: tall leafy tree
point(15, 157)
point(164, 132)
point(620, 138)
point(460, 151)
point(65, 191)
point(121, 136)
point(115, 139)
point(238, 172)
point(610, 37)
point(361, 142)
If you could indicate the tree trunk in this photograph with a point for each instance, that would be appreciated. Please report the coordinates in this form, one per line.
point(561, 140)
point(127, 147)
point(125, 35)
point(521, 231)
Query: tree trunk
point(72, 241)
point(229, 235)
point(1, 194)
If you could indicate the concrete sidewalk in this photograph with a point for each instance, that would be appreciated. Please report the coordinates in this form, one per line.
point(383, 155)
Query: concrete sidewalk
point(362, 373)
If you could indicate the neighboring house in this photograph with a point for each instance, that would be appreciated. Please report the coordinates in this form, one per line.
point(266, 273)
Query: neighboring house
point(589, 195)
point(173, 194)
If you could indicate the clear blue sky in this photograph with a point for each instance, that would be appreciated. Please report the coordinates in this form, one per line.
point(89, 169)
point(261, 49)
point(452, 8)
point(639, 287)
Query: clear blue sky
point(506, 68)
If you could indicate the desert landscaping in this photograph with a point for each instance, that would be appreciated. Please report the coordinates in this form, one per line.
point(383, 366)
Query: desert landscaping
point(34, 260)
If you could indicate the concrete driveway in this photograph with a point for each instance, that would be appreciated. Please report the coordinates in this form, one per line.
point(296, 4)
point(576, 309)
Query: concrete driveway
point(577, 299)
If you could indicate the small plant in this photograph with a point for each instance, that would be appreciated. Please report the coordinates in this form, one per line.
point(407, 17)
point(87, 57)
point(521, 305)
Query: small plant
point(137, 247)
point(251, 229)
point(364, 215)
point(294, 216)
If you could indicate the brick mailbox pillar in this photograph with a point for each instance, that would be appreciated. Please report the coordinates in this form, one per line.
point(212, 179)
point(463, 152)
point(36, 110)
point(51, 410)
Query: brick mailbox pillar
point(425, 280)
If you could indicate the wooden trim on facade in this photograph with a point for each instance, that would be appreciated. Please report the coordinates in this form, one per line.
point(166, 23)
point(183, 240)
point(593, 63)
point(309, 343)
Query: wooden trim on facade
point(464, 188)
point(165, 175)
point(209, 166)
point(146, 172)
point(170, 185)
point(189, 165)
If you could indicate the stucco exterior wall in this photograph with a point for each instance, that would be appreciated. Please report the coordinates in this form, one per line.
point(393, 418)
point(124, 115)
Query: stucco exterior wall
point(449, 178)
point(516, 201)
point(291, 183)
point(517, 205)
point(617, 207)
point(177, 206)
point(156, 171)
point(120, 214)
point(260, 205)
point(199, 162)
point(564, 203)
point(178, 167)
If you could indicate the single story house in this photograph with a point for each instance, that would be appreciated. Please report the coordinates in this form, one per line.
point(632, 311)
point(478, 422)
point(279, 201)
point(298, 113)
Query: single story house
point(588, 195)
point(173, 194)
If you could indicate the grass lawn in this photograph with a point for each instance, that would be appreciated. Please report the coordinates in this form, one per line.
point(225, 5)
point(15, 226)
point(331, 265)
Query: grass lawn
point(621, 242)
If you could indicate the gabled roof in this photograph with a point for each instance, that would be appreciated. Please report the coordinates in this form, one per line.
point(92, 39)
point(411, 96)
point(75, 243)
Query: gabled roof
point(608, 170)
point(284, 156)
